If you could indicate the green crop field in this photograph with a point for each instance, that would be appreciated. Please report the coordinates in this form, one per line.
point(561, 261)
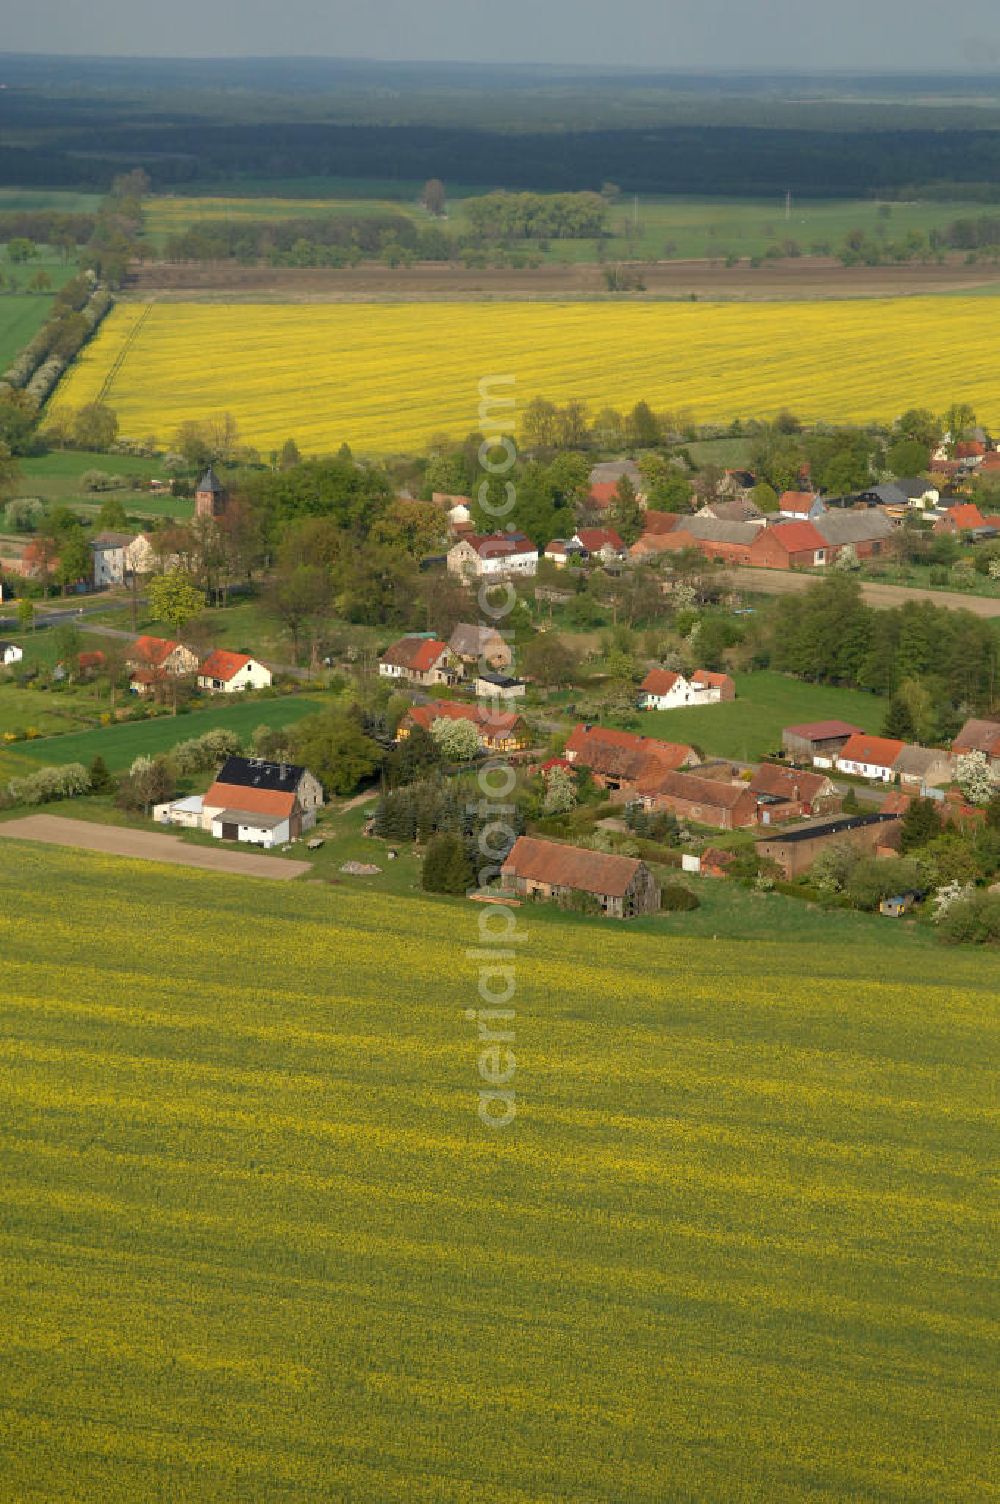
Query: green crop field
point(119, 745)
point(750, 726)
point(21, 317)
point(653, 228)
point(735, 1245)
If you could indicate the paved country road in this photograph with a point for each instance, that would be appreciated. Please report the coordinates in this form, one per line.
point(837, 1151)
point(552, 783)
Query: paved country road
point(147, 846)
point(787, 582)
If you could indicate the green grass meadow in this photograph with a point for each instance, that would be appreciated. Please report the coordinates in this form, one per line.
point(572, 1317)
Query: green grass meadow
point(750, 726)
point(658, 227)
point(120, 744)
point(736, 1245)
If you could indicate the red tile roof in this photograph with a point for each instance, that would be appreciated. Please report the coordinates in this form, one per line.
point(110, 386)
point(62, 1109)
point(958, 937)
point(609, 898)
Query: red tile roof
point(496, 545)
point(880, 751)
point(416, 653)
point(796, 537)
point(969, 449)
point(659, 681)
point(796, 501)
point(708, 791)
point(595, 538)
point(90, 660)
point(573, 867)
point(966, 516)
point(254, 801)
point(603, 493)
point(823, 731)
point(221, 664)
point(788, 783)
point(493, 725)
point(659, 522)
point(706, 676)
point(623, 754)
point(152, 651)
point(992, 461)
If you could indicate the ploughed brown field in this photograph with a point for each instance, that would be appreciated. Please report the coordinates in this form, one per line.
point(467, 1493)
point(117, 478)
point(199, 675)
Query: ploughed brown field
point(808, 277)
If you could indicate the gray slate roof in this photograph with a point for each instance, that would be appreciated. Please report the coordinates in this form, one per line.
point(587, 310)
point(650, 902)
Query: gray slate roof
point(853, 527)
point(916, 761)
point(713, 530)
point(211, 482)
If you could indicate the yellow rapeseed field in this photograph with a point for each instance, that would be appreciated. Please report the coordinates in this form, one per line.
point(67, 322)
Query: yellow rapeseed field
point(257, 1246)
point(386, 377)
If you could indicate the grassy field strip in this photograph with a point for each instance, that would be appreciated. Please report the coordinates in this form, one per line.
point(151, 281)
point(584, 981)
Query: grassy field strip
point(119, 745)
point(258, 1245)
point(389, 377)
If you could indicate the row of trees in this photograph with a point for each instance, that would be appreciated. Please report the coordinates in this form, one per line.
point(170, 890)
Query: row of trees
point(829, 635)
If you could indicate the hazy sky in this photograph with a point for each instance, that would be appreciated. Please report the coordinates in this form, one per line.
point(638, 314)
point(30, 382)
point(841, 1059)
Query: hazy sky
point(812, 34)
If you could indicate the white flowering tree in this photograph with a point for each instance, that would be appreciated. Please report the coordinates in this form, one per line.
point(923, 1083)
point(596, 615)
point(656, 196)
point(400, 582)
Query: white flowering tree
point(847, 560)
point(560, 792)
point(975, 778)
point(458, 740)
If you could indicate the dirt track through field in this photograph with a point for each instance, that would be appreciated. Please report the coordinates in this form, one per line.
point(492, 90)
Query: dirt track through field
point(147, 846)
point(780, 582)
point(808, 277)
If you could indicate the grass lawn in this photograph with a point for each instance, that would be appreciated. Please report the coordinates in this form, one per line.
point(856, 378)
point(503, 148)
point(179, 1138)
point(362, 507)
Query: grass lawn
point(21, 317)
point(735, 1244)
point(750, 726)
point(57, 477)
point(120, 744)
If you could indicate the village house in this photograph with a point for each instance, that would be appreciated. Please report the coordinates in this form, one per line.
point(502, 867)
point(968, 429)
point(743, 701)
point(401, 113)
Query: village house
point(904, 492)
point(963, 518)
point(251, 800)
point(817, 742)
point(604, 479)
point(662, 689)
point(146, 555)
point(458, 509)
point(789, 545)
point(480, 646)
point(618, 759)
point(623, 886)
point(979, 735)
point(738, 510)
point(600, 543)
point(418, 659)
point(800, 506)
point(230, 673)
point(563, 551)
point(921, 768)
point(706, 801)
point(154, 659)
point(492, 556)
point(795, 850)
point(10, 653)
point(110, 558)
point(500, 687)
point(871, 757)
point(787, 793)
point(499, 731)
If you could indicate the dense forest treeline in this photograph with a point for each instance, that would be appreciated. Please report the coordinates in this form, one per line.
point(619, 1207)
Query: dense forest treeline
point(688, 159)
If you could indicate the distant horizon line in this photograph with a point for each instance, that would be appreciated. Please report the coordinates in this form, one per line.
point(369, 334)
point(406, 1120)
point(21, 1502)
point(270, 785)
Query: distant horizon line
point(714, 70)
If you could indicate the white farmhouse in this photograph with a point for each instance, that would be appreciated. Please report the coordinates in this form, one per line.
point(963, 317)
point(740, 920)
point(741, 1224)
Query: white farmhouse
point(230, 673)
point(493, 556)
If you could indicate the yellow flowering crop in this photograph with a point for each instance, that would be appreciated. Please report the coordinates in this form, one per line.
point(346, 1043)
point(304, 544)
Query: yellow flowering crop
point(386, 377)
point(257, 1245)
